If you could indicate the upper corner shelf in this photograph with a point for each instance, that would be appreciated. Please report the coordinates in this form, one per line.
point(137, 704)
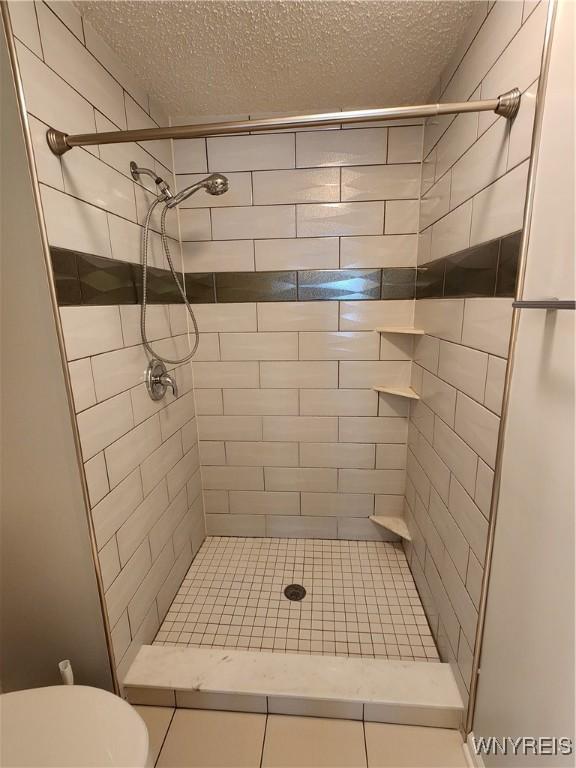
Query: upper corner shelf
point(400, 329)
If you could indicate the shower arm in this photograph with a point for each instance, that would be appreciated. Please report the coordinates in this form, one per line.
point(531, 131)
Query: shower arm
point(505, 105)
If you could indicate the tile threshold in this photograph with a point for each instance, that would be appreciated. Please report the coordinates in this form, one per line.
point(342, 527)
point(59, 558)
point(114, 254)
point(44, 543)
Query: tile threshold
point(378, 690)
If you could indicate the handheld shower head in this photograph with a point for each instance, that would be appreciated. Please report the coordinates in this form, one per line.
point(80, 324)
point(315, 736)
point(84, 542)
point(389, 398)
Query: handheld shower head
point(215, 184)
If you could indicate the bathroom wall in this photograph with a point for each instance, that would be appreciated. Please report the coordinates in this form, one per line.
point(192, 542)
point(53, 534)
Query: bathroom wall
point(140, 457)
point(473, 191)
point(312, 248)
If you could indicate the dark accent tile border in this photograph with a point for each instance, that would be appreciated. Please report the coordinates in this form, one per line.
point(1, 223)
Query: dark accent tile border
point(489, 269)
point(486, 270)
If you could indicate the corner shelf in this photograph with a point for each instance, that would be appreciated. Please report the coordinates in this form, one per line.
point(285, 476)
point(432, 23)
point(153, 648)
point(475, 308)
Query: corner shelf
point(400, 329)
point(393, 523)
point(399, 391)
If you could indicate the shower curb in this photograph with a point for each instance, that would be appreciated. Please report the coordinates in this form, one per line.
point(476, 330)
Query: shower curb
point(377, 690)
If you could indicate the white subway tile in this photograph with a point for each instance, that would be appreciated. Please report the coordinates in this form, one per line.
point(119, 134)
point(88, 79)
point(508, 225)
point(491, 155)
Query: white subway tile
point(82, 384)
point(300, 479)
point(324, 219)
point(401, 217)
point(339, 346)
point(381, 182)
point(127, 582)
point(259, 346)
point(360, 529)
point(464, 368)
point(250, 153)
point(441, 317)
point(233, 478)
point(230, 427)
point(157, 323)
point(216, 502)
point(50, 99)
point(264, 503)
point(391, 456)
point(435, 203)
point(470, 520)
point(96, 478)
point(137, 527)
point(378, 251)
point(478, 427)
point(216, 375)
point(176, 414)
point(460, 599)
point(259, 401)
point(301, 253)
point(338, 504)
point(438, 473)
point(69, 16)
point(495, 384)
point(174, 516)
point(25, 25)
point(313, 375)
point(482, 164)
point(118, 371)
point(452, 233)
point(371, 480)
point(195, 224)
point(115, 508)
point(338, 402)
point(160, 462)
point(235, 525)
point(352, 147)
point(478, 16)
point(461, 134)
point(103, 423)
point(262, 454)
point(309, 429)
point(70, 59)
point(190, 156)
point(337, 455)
point(130, 451)
point(301, 527)
point(150, 585)
point(363, 375)
point(499, 209)
point(367, 315)
point(439, 396)
point(487, 325)
point(138, 118)
point(298, 316)
point(459, 457)
point(208, 401)
point(109, 563)
point(427, 352)
point(521, 130)
point(257, 222)
point(405, 144)
point(483, 491)
point(228, 317)
point(182, 473)
point(73, 224)
point(367, 429)
point(304, 185)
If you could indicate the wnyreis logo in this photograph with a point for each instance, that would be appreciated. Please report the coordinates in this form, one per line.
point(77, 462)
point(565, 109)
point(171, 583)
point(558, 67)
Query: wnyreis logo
point(522, 745)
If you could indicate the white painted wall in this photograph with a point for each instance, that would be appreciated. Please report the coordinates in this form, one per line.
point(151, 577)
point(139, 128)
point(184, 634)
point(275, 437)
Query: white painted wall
point(526, 684)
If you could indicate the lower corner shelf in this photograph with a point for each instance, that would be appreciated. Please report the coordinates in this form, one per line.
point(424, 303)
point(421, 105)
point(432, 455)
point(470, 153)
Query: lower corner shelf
point(400, 391)
point(396, 524)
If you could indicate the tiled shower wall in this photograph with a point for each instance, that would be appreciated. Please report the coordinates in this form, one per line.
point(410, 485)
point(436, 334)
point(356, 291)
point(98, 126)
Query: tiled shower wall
point(141, 458)
point(293, 440)
point(473, 191)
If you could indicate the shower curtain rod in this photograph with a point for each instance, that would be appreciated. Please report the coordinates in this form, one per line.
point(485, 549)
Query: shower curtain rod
point(506, 105)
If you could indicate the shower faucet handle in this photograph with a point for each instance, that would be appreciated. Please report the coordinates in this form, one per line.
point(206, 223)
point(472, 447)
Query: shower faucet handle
point(158, 380)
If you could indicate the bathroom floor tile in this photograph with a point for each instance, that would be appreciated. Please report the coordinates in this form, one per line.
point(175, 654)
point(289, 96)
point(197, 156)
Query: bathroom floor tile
point(360, 599)
point(206, 739)
point(406, 746)
point(310, 742)
point(157, 721)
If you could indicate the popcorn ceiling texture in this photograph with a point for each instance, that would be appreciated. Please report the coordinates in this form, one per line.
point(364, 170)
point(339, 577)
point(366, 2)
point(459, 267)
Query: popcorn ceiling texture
point(211, 57)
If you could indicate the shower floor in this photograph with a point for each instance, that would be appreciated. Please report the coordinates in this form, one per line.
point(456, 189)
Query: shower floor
point(360, 600)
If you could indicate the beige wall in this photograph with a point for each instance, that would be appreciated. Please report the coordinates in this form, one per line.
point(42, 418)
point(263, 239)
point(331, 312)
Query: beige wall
point(526, 685)
point(50, 608)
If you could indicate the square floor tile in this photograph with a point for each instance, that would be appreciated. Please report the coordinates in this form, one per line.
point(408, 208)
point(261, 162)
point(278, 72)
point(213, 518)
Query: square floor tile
point(310, 742)
point(407, 746)
point(206, 739)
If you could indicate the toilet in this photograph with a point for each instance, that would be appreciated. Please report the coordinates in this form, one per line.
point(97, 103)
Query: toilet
point(70, 725)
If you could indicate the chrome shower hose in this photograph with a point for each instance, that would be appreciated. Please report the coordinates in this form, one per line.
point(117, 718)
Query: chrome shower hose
point(164, 239)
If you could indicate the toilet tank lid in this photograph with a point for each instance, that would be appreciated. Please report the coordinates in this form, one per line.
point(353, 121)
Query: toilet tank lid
point(70, 725)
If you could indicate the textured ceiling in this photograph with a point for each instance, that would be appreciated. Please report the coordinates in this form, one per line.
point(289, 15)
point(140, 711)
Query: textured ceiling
point(211, 57)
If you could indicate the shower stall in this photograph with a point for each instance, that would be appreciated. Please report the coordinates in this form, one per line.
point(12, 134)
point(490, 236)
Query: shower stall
point(287, 374)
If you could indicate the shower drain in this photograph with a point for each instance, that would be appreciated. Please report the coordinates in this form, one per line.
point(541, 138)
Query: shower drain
point(295, 592)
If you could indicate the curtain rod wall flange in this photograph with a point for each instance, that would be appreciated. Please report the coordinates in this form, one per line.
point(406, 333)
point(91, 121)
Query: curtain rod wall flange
point(506, 105)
